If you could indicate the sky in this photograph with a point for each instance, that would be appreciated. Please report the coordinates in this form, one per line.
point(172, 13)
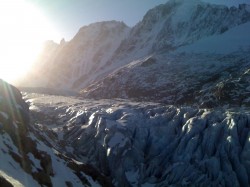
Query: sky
point(69, 15)
point(27, 24)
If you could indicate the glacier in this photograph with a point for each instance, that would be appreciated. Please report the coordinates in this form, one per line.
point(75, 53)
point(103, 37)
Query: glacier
point(140, 144)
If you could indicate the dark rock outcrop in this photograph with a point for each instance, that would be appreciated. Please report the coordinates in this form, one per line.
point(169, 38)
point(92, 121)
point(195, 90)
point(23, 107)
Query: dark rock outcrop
point(4, 182)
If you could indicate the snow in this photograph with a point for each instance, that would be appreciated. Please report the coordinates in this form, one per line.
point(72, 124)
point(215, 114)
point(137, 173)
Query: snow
point(35, 161)
point(61, 171)
point(9, 168)
point(5, 142)
point(235, 39)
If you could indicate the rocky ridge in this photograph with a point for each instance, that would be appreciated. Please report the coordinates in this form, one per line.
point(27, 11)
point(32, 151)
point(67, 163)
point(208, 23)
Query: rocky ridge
point(28, 161)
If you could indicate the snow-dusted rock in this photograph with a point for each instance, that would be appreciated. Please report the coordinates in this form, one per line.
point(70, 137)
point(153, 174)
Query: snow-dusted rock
point(28, 161)
point(206, 80)
point(183, 52)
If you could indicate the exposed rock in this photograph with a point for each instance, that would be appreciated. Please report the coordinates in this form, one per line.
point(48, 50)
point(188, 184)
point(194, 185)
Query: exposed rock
point(25, 159)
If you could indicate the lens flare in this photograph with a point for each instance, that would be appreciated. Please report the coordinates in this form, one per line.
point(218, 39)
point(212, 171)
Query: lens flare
point(23, 31)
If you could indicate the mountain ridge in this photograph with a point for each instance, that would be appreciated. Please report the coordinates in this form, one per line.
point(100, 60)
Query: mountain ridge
point(74, 66)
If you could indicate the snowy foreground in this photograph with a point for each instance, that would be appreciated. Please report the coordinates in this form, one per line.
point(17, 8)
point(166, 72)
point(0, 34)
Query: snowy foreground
point(27, 160)
point(145, 144)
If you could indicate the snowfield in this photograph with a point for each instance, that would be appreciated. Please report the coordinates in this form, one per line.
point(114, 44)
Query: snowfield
point(143, 144)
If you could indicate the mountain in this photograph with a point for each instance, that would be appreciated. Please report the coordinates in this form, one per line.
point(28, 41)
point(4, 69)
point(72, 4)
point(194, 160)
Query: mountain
point(185, 79)
point(28, 160)
point(180, 22)
point(158, 58)
point(197, 58)
point(67, 64)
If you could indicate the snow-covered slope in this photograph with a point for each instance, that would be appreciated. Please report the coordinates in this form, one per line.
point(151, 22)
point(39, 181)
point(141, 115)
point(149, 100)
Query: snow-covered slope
point(148, 144)
point(177, 23)
point(231, 41)
point(27, 160)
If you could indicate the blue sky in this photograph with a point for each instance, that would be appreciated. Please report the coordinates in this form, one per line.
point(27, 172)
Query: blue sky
point(69, 15)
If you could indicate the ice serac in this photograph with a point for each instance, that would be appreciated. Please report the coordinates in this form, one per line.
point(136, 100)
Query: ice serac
point(149, 144)
point(26, 160)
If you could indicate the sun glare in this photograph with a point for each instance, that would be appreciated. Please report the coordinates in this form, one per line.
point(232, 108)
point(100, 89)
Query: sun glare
point(23, 31)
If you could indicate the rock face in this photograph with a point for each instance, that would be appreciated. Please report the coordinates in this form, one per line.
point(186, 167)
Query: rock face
point(14, 110)
point(26, 160)
point(140, 144)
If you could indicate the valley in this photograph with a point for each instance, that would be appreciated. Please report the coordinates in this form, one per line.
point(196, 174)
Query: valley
point(163, 103)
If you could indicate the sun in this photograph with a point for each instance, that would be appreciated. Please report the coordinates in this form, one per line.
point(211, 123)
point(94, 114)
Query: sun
point(23, 31)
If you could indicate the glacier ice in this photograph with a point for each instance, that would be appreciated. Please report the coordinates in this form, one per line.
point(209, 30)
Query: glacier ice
point(150, 143)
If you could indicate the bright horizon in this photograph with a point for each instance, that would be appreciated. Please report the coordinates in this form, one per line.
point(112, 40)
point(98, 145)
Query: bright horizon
point(27, 24)
point(23, 31)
